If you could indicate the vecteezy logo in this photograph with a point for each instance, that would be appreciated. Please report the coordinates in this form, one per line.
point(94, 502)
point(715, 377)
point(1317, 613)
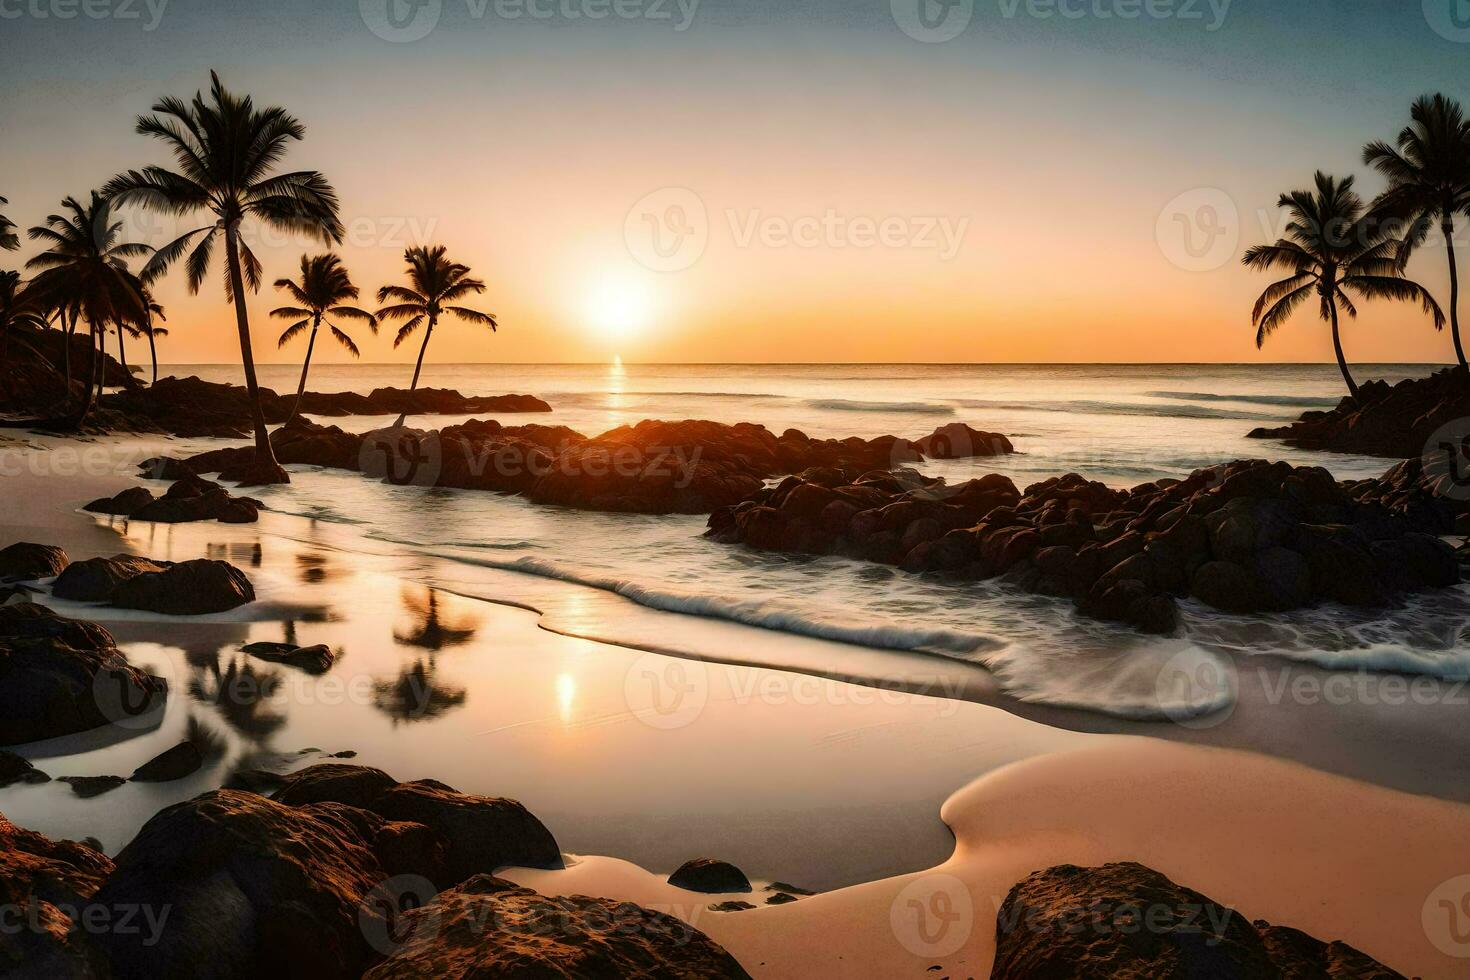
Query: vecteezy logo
point(668, 230)
point(383, 913)
point(933, 916)
point(1446, 917)
point(401, 21)
point(1450, 19)
point(1199, 230)
point(1196, 688)
point(932, 21)
point(666, 692)
point(1446, 460)
point(402, 457)
point(126, 703)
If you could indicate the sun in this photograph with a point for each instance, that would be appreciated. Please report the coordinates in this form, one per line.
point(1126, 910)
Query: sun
point(619, 308)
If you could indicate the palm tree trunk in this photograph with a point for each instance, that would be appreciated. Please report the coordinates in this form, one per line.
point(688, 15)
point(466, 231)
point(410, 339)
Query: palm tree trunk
point(305, 366)
point(122, 354)
point(68, 331)
point(1447, 225)
point(423, 348)
point(1337, 346)
point(265, 455)
point(93, 379)
point(153, 354)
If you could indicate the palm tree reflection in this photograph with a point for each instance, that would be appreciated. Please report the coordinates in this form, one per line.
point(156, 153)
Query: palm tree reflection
point(415, 695)
point(433, 628)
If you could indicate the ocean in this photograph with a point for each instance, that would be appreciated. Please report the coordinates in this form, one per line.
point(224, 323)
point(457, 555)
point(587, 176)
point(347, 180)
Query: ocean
point(1120, 424)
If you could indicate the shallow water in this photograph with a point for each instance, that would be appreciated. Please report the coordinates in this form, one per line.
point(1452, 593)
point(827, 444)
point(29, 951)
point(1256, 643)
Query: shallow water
point(1121, 424)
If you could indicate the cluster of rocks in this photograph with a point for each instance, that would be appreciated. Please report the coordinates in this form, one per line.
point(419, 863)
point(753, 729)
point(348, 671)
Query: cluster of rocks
point(61, 676)
point(1243, 537)
point(1126, 920)
point(189, 499)
point(689, 467)
point(345, 873)
point(192, 407)
point(189, 588)
point(1397, 421)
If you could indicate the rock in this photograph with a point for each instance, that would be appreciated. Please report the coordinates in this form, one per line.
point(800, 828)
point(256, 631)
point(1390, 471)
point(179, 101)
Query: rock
point(711, 876)
point(42, 879)
point(958, 441)
point(194, 499)
point(488, 927)
point(14, 769)
point(781, 898)
point(1126, 920)
point(190, 588)
point(731, 906)
point(126, 503)
point(781, 886)
point(261, 781)
point(483, 833)
point(25, 561)
point(60, 676)
point(254, 888)
point(316, 659)
point(96, 579)
point(88, 787)
point(182, 760)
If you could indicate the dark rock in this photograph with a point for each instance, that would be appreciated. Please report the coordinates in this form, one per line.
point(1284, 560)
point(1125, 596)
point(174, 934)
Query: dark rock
point(261, 781)
point(182, 760)
point(190, 588)
point(483, 833)
point(1150, 927)
point(781, 886)
point(14, 769)
point(60, 676)
point(194, 499)
point(488, 927)
point(316, 659)
point(88, 787)
point(731, 906)
point(45, 878)
point(125, 504)
point(958, 440)
point(96, 579)
point(24, 561)
point(710, 876)
point(781, 898)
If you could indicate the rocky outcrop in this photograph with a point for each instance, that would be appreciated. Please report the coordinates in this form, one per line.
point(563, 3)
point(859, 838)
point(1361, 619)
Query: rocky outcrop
point(41, 883)
point(960, 441)
point(1126, 921)
point(1249, 536)
point(191, 588)
point(710, 876)
point(488, 927)
point(481, 834)
point(192, 407)
point(96, 579)
point(1395, 421)
point(61, 676)
point(190, 498)
point(23, 561)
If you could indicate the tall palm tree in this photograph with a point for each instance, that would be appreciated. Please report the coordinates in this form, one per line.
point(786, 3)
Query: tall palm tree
point(148, 327)
point(9, 240)
point(1428, 179)
point(1331, 248)
point(434, 284)
point(227, 150)
point(84, 271)
point(324, 286)
point(16, 309)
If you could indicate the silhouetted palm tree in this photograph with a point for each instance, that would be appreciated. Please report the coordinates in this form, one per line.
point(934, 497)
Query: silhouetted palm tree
point(149, 327)
point(84, 270)
point(434, 283)
point(16, 309)
point(1331, 248)
point(9, 240)
point(227, 150)
point(1428, 180)
point(323, 287)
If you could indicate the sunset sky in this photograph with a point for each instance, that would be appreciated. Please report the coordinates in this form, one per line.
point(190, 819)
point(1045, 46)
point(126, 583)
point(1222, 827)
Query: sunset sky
point(1006, 195)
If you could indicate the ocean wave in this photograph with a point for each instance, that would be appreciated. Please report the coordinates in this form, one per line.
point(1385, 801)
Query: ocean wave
point(1286, 401)
point(1120, 408)
point(848, 405)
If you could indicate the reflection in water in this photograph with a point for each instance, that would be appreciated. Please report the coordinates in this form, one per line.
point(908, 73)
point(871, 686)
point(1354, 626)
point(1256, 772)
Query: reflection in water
point(566, 696)
point(414, 695)
point(433, 629)
point(236, 552)
point(313, 568)
point(241, 694)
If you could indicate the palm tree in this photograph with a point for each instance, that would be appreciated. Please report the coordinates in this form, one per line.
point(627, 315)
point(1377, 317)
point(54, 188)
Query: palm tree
point(1428, 178)
point(226, 150)
point(84, 271)
point(9, 240)
point(149, 327)
point(16, 309)
point(323, 287)
point(1331, 248)
point(434, 282)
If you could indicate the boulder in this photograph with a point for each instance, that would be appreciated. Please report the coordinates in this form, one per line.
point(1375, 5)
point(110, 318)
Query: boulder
point(96, 579)
point(710, 876)
point(124, 504)
point(46, 879)
point(190, 588)
point(317, 659)
point(60, 676)
point(88, 787)
point(1126, 920)
point(958, 441)
point(182, 760)
point(483, 834)
point(24, 561)
point(14, 769)
point(488, 927)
